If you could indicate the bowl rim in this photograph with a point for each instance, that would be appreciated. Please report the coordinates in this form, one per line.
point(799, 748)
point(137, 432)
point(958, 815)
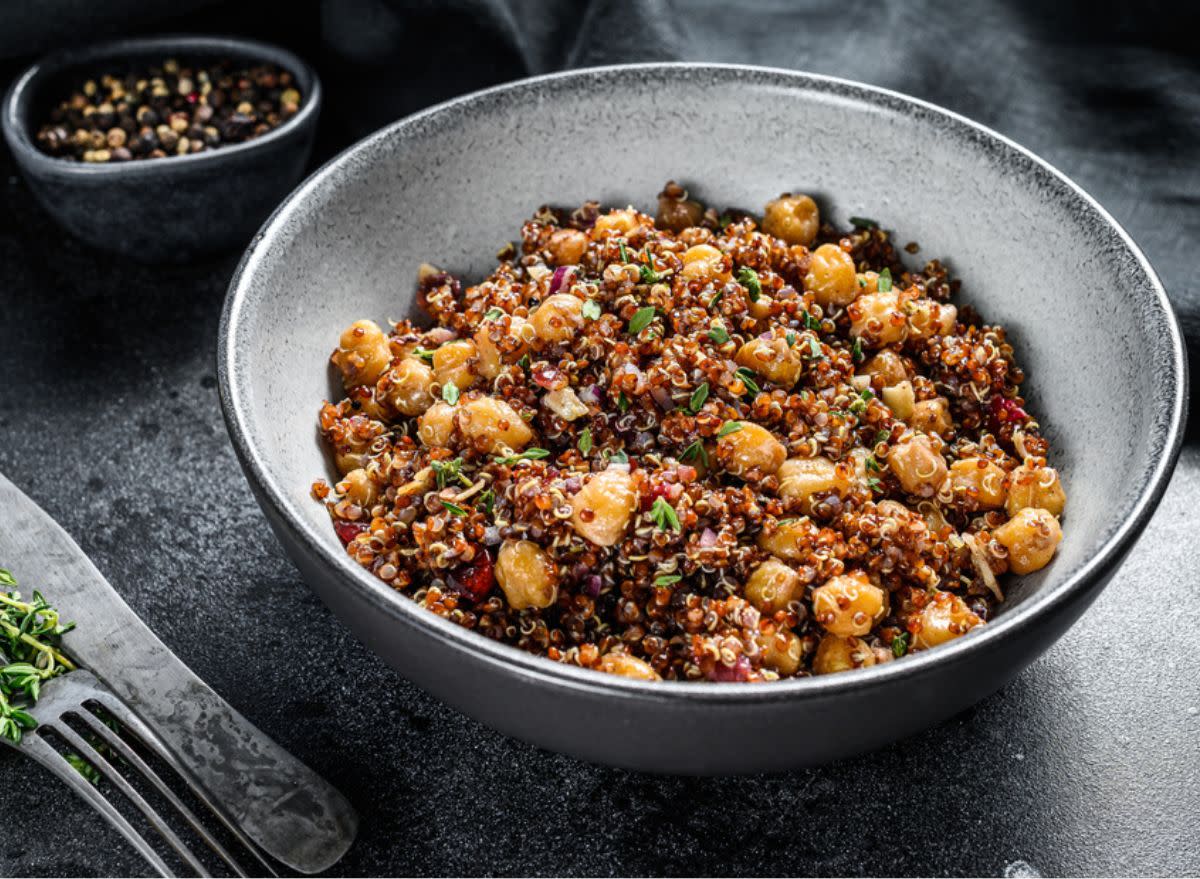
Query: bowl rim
point(18, 133)
point(540, 670)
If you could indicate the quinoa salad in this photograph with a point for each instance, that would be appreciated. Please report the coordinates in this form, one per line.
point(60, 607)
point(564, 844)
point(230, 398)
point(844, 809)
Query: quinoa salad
point(699, 445)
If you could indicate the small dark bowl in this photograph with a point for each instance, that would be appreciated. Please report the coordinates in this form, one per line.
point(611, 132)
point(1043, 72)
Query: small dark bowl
point(171, 209)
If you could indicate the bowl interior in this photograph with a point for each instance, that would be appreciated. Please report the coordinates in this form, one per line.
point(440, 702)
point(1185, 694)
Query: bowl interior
point(59, 74)
point(452, 185)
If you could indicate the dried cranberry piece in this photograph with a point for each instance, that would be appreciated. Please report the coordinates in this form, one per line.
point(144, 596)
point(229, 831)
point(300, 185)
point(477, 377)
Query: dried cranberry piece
point(549, 378)
point(1006, 411)
point(475, 580)
point(347, 531)
point(739, 671)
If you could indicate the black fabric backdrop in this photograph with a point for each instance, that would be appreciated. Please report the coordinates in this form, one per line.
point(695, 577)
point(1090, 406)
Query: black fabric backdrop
point(108, 416)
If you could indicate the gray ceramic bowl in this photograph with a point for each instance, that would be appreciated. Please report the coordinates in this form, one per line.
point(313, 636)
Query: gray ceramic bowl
point(168, 209)
point(449, 185)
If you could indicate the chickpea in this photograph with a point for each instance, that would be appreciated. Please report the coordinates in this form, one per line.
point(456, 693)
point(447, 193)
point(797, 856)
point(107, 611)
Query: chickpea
point(790, 540)
point(526, 575)
point(932, 416)
point(515, 343)
point(772, 586)
point(751, 451)
point(703, 262)
point(616, 223)
point(492, 425)
point(558, 319)
point(601, 510)
point(363, 353)
point(406, 387)
point(781, 651)
point(774, 359)
point(888, 366)
point(802, 478)
point(1035, 487)
point(868, 282)
point(836, 654)
point(930, 318)
point(944, 618)
point(352, 442)
point(452, 363)
point(676, 211)
point(878, 320)
point(436, 426)
point(901, 399)
point(980, 480)
point(627, 667)
point(849, 605)
point(831, 278)
point(794, 218)
point(1031, 536)
point(918, 465)
point(357, 487)
point(567, 246)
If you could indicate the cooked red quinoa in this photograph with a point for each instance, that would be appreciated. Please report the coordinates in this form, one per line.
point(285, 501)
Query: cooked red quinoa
point(693, 447)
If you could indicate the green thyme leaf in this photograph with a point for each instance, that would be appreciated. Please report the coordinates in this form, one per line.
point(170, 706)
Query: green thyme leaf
point(664, 515)
point(748, 278)
point(729, 427)
point(450, 393)
point(624, 252)
point(748, 378)
point(527, 455)
point(874, 484)
point(488, 500)
point(857, 352)
point(882, 436)
point(873, 465)
point(811, 323)
point(885, 281)
point(649, 276)
point(698, 397)
point(622, 401)
point(900, 645)
point(695, 450)
point(814, 348)
point(453, 509)
point(585, 441)
point(591, 309)
point(718, 333)
point(790, 338)
point(619, 457)
point(446, 471)
point(524, 362)
point(712, 303)
point(641, 319)
point(863, 223)
point(494, 314)
point(424, 353)
point(667, 579)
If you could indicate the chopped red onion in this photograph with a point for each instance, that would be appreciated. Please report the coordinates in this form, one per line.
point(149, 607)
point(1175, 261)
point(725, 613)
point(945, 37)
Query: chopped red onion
point(561, 275)
point(739, 671)
point(708, 538)
point(591, 586)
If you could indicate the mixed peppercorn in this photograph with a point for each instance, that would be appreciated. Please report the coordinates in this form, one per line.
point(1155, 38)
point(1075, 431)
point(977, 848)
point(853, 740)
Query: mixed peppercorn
point(167, 110)
point(696, 446)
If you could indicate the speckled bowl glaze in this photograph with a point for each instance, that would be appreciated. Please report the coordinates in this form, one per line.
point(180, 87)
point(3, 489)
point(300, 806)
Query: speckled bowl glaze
point(1088, 318)
point(161, 210)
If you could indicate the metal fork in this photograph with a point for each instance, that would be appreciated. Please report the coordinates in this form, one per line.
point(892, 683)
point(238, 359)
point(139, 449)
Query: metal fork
point(77, 695)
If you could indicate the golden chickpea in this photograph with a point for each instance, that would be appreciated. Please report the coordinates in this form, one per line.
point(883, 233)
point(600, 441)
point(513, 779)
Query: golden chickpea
point(868, 282)
point(980, 480)
point(888, 366)
point(794, 218)
point(943, 619)
point(831, 278)
point(836, 654)
point(849, 605)
point(1035, 487)
point(878, 320)
point(751, 451)
point(901, 399)
point(406, 387)
point(491, 425)
point(774, 359)
point(781, 651)
point(772, 586)
point(601, 510)
point(932, 416)
point(436, 426)
point(790, 540)
point(627, 667)
point(567, 246)
point(357, 487)
point(918, 465)
point(453, 362)
point(676, 211)
point(616, 223)
point(363, 353)
point(930, 318)
point(526, 575)
point(802, 478)
point(558, 319)
point(703, 262)
point(1031, 537)
point(515, 343)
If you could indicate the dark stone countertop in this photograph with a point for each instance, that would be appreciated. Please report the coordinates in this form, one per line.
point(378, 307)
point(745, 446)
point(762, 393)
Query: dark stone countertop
point(1088, 763)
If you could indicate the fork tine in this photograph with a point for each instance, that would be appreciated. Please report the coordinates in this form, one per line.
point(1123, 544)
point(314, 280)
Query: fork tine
point(133, 724)
point(130, 756)
point(41, 751)
point(85, 750)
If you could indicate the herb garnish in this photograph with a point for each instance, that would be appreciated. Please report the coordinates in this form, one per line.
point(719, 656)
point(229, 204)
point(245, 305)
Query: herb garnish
point(622, 401)
point(424, 353)
point(617, 457)
point(585, 441)
point(527, 455)
point(450, 393)
point(698, 397)
point(664, 515)
point(695, 450)
point(814, 348)
point(624, 252)
point(729, 427)
point(863, 223)
point(445, 471)
point(641, 319)
point(885, 281)
point(859, 406)
point(857, 352)
point(810, 322)
point(453, 509)
point(718, 333)
point(900, 645)
point(649, 276)
point(494, 314)
point(667, 579)
point(746, 375)
point(591, 309)
point(748, 278)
